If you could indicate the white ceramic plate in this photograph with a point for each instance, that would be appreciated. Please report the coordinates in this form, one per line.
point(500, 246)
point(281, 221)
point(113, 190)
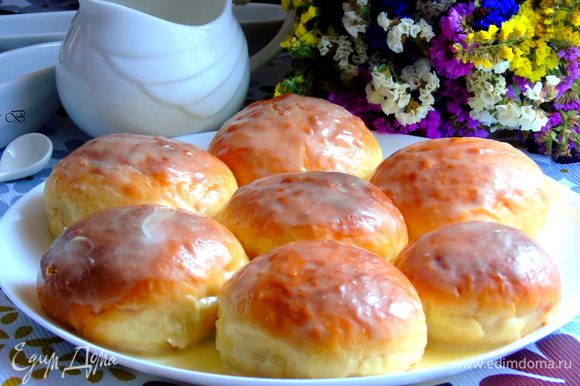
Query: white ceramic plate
point(24, 237)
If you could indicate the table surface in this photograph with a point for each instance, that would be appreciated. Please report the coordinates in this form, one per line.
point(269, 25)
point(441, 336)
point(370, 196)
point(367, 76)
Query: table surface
point(553, 360)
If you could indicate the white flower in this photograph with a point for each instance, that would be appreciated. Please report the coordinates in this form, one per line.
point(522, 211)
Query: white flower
point(420, 75)
point(325, 44)
point(426, 30)
point(487, 88)
point(373, 96)
point(413, 115)
point(380, 80)
point(532, 119)
point(534, 93)
point(408, 27)
point(552, 80)
point(508, 115)
point(362, 3)
point(476, 103)
point(383, 21)
point(352, 21)
point(426, 97)
point(501, 67)
point(394, 40)
point(343, 51)
point(360, 48)
point(490, 98)
point(391, 95)
point(395, 100)
point(432, 82)
point(484, 116)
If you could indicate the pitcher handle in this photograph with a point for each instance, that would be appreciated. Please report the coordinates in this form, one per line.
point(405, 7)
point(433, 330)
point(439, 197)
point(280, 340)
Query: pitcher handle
point(272, 49)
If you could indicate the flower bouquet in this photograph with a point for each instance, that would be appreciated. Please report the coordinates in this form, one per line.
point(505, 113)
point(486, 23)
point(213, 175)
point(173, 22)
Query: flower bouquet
point(445, 68)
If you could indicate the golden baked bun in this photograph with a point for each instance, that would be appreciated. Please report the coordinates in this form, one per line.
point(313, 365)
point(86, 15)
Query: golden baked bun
point(317, 309)
point(481, 283)
point(140, 278)
point(293, 133)
point(278, 209)
point(129, 169)
point(450, 180)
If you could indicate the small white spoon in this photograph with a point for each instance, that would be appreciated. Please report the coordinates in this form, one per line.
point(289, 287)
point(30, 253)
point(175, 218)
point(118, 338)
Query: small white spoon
point(25, 156)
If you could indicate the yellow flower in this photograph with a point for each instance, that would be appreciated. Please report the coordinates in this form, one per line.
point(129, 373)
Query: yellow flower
point(484, 36)
point(506, 53)
point(309, 38)
point(507, 29)
point(482, 62)
point(520, 30)
point(301, 30)
point(548, 11)
point(290, 43)
point(310, 14)
point(575, 19)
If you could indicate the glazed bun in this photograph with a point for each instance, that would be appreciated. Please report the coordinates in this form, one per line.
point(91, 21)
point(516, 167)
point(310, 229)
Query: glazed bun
point(294, 133)
point(140, 278)
point(446, 181)
point(129, 169)
point(481, 283)
point(275, 210)
point(318, 309)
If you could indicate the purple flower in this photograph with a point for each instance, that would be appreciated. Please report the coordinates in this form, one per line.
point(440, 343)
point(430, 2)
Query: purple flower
point(543, 139)
point(452, 24)
point(575, 105)
point(444, 60)
point(453, 96)
point(522, 82)
point(452, 32)
point(510, 93)
point(570, 54)
point(430, 126)
point(572, 69)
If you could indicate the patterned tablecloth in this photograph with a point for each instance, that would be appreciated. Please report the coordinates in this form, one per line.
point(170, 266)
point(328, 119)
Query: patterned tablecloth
point(553, 360)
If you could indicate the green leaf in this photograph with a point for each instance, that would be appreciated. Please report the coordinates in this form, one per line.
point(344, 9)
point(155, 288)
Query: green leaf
point(2, 346)
point(9, 318)
point(3, 334)
point(23, 331)
point(121, 374)
point(6, 309)
point(96, 377)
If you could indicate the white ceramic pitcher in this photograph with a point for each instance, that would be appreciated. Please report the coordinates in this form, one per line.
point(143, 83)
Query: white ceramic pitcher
point(165, 67)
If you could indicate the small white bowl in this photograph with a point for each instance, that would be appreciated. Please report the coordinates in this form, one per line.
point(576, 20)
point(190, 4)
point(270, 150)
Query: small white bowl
point(28, 97)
